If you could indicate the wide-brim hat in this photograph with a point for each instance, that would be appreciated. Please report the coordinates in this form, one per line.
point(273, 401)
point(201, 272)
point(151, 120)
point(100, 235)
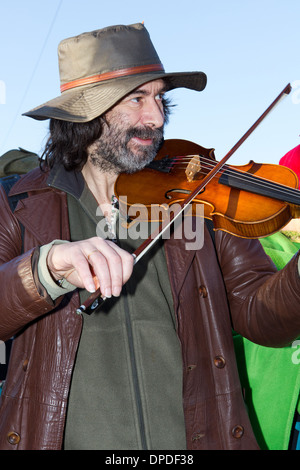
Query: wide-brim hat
point(97, 69)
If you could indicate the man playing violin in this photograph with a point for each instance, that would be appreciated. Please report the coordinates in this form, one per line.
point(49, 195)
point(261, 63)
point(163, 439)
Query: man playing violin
point(154, 366)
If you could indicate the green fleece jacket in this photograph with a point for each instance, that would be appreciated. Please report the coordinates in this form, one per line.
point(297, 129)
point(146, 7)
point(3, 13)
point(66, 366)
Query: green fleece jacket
point(270, 377)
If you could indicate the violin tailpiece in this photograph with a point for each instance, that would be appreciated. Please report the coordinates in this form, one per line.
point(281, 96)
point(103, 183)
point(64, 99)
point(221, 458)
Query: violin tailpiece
point(193, 167)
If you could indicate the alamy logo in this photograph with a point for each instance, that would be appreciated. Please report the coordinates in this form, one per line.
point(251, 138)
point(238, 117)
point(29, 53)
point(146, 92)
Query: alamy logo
point(2, 92)
point(2, 353)
point(192, 230)
point(296, 354)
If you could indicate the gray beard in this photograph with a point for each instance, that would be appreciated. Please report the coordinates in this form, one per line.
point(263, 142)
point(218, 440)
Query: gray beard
point(110, 153)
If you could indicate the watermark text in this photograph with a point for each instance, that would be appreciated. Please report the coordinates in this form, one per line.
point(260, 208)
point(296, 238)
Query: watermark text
point(296, 354)
point(2, 353)
point(143, 222)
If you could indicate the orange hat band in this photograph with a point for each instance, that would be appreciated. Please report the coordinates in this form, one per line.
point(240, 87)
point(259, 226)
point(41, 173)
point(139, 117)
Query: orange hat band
point(109, 75)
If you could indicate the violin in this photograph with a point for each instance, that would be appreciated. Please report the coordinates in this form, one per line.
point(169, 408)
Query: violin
point(249, 201)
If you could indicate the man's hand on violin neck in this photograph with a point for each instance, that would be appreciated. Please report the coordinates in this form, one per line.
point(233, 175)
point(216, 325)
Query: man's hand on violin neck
point(91, 264)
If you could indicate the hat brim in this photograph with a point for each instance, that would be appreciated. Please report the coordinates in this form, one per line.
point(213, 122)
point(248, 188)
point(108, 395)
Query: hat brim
point(82, 104)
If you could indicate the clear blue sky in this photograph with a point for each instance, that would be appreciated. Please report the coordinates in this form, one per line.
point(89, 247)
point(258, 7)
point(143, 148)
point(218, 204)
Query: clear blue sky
point(249, 50)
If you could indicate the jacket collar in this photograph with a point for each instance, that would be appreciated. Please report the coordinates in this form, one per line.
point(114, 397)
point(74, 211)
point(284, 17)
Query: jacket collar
point(33, 181)
point(68, 181)
point(179, 260)
point(44, 213)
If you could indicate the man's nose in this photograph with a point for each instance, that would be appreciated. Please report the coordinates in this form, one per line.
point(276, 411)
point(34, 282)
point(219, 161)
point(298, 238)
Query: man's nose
point(152, 114)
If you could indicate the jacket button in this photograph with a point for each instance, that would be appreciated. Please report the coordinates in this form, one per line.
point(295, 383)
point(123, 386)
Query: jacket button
point(203, 291)
point(25, 364)
point(219, 362)
point(13, 438)
point(237, 431)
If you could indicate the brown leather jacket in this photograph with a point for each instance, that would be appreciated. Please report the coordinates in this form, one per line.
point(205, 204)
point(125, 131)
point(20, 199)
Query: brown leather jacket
point(263, 307)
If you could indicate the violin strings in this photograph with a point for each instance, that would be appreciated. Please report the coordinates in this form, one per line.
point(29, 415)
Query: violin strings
point(245, 176)
point(261, 181)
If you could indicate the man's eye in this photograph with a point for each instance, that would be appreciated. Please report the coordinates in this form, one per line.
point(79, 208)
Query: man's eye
point(136, 99)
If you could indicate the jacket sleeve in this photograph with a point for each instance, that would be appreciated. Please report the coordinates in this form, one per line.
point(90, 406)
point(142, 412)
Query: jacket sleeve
point(22, 297)
point(264, 302)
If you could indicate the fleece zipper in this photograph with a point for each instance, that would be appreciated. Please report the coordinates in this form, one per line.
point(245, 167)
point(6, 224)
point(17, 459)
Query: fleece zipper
point(137, 392)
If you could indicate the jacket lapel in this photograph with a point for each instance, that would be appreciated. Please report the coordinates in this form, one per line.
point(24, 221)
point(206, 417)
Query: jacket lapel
point(179, 260)
point(45, 216)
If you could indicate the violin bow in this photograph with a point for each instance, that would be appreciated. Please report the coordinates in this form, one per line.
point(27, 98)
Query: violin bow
point(96, 299)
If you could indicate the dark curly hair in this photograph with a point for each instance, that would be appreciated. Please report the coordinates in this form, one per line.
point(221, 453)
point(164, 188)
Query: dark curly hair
point(68, 141)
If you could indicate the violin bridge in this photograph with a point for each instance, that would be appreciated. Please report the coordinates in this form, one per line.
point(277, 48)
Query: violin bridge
point(193, 167)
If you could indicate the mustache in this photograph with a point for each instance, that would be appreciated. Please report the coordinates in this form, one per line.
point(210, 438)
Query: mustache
point(156, 135)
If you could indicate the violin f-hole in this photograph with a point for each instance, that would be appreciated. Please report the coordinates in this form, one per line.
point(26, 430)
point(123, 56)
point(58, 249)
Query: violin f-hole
point(179, 190)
